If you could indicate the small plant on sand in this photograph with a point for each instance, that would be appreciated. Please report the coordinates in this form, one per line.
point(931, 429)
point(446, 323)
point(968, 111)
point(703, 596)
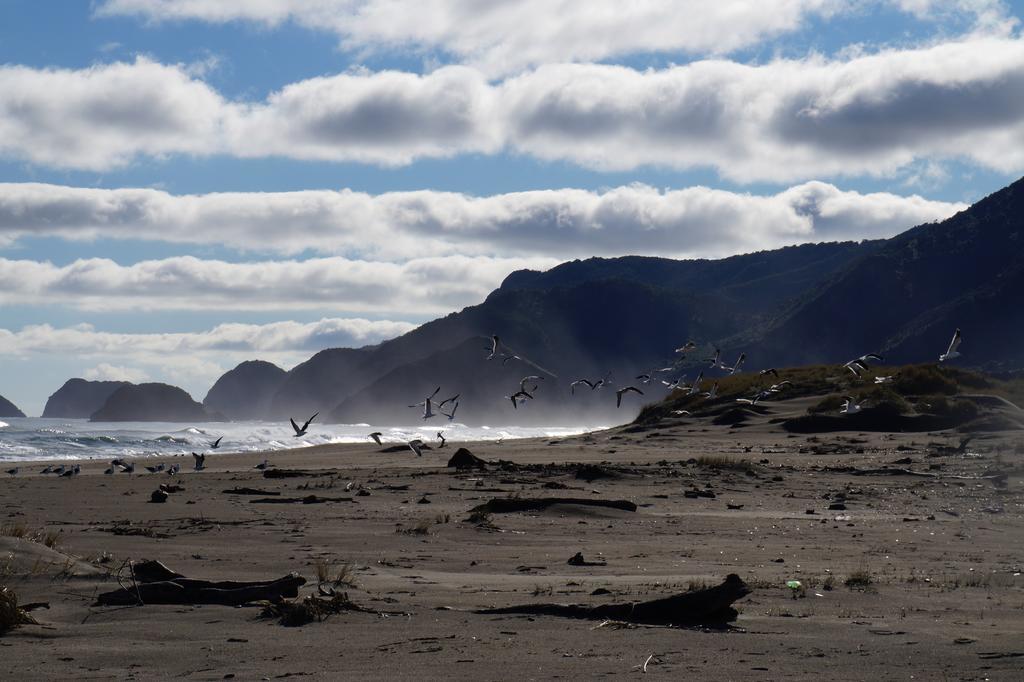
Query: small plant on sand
point(14, 529)
point(421, 528)
point(859, 579)
point(11, 615)
point(722, 462)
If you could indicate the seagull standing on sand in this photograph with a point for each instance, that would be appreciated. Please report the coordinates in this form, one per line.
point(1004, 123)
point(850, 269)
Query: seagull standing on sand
point(128, 467)
point(627, 389)
point(200, 462)
point(416, 445)
point(262, 466)
point(305, 427)
point(155, 469)
point(952, 351)
point(13, 472)
point(376, 437)
point(428, 404)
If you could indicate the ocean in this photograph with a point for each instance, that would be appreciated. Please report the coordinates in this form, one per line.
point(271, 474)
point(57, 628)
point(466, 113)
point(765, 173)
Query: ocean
point(68, 439)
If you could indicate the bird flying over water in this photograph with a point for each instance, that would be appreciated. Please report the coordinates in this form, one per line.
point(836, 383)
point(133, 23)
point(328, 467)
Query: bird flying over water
point(216, 444)
point(376, 437)
point(450, 415)
point(302, 431)
point(428, 404)
point(519, 396)
point(952, 351)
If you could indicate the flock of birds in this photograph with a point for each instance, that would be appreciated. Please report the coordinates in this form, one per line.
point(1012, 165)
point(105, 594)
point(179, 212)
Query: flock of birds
point(528, 386)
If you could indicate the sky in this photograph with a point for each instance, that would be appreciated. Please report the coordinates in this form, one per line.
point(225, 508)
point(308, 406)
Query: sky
point(187, 184)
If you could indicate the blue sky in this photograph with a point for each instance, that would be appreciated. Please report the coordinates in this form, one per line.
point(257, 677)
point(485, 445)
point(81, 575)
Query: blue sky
point(185, 185)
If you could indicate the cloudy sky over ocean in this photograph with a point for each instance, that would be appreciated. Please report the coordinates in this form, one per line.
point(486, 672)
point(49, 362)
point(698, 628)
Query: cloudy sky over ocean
point(186, 184)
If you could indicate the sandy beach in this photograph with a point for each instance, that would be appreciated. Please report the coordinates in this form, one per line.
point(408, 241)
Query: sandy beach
point(914, 572)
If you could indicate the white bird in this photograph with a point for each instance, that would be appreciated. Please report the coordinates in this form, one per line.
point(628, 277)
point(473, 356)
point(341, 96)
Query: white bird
point(495, 344)
point(428, 404)
point(416, 445)
point(13, 472)
point(695, 388)
point(952, 351)
point(200, 461)
point(573, 385)
point(858, 365)
point(681, 413)
point(643, 378)
point(532, 377)
point(739, 363)
point(627, 389)
point(376, 437)
point(216, 444)
point(771, 370)
point(716, 360)
point(752, 401)
point(262, 466)
point(450, 415)
point(710, 395)
point(519, 396)
point(776, 388)
point(686, 348)
point(850, 406)
point(884, 380)
point(305, 427)
point(673, 385)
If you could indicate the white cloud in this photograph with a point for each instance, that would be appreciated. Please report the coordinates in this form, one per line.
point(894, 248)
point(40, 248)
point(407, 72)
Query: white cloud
point(107, 372)
point(785, 120)
point(503, 37)
point(565, 223)
point(246, 339)
point(425, 286)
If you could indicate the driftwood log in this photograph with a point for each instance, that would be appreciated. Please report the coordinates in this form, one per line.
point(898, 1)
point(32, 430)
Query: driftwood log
point(708, 607)
point(154, 583)
point(506, 505)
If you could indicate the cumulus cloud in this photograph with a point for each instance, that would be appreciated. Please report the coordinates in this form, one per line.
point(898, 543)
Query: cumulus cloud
point(419, 287)
point(502, 37)
point(423, 225)
point(785, 120)
point(107, 372)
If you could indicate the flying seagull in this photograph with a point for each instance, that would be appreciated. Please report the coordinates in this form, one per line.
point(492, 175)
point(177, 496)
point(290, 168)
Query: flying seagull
point(450, 415)
point(850, 406)
point(518, 396)
point(771, 370)
point(695, 388)
point(216, 444)
point(681, 413)
point(713, 393)
point(416, 445)
point(428, 404)
point(776, 388)
point(952, 351)
point(532, 377)
point(448, 400)
point(376, 437)
point(643, 378)
point(200, 462)
point(690, 345)
point(302, 431)
point(627, 389)
point(716, 360)
point(573, 385)
point(739, 363)
point(858, 365)
point(673, 385)
point(495, 344)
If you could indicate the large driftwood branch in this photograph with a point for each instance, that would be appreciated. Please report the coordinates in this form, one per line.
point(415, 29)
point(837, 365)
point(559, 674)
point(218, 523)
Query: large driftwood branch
point(710, 606)
point(505, 505)
point(157, 584)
